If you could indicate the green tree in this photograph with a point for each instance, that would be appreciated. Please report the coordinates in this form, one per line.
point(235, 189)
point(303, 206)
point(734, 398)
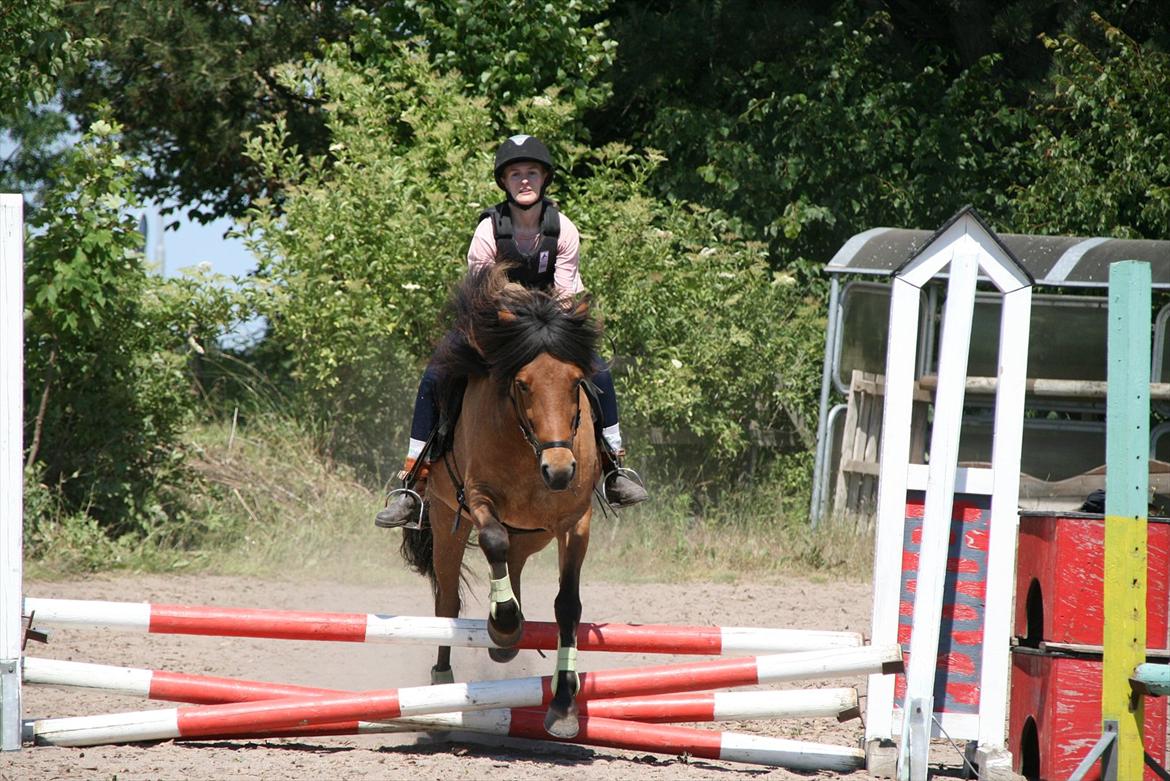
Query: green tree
point(190, 81)
point(810, 122)
point(510, 50)
point(1101, 149)
point(36, 52)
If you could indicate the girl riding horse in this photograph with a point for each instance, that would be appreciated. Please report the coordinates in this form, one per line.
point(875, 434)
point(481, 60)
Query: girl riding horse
point(540, 246)
point(521, 467)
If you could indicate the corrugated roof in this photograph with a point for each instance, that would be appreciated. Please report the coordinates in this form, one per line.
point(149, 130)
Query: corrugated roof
point(1064, 261)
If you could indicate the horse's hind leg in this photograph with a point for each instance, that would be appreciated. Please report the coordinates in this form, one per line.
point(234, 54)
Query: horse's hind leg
point(448, 560)
point(505, 621)
point(561, 719)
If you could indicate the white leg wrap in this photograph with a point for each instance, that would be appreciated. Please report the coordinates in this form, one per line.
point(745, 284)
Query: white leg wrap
point(501, 593)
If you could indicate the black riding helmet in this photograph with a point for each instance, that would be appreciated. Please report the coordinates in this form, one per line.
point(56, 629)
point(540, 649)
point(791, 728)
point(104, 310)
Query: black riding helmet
point(521, 148)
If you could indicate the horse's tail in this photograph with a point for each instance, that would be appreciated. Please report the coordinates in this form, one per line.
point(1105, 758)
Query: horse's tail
point(418, 546)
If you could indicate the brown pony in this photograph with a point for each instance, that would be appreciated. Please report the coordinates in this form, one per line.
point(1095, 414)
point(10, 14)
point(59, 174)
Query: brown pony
point(522, 465)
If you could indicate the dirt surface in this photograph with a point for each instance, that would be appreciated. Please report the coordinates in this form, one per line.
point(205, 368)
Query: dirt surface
point(794, 603)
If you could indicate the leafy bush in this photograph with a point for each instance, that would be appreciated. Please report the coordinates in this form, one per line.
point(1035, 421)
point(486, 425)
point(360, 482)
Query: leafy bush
point(359, 258)
point(711, 340)
point(106, 352)
point(357, 263)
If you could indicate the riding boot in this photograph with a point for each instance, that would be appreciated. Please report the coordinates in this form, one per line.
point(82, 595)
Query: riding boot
point(621, 486)
point(404, 506)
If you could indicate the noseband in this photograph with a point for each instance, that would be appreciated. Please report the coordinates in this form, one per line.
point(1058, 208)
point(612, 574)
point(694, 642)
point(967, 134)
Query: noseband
point(539, 447)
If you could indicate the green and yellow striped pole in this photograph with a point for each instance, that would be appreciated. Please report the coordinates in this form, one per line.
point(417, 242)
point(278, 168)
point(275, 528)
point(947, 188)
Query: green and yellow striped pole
point(1126, 501)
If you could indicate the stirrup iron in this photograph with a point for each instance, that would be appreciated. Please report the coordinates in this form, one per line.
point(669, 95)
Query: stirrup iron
point(623, 471)
point(413, 525)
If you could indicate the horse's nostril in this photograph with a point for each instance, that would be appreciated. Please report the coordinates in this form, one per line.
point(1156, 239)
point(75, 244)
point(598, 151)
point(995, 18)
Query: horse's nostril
point(558, 477)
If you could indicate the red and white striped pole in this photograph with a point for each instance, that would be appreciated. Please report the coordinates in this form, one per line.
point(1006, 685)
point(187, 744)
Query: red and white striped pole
point(266, 715)
point(461, 632)
point(840, 703)
point(628, 735)
point(596, 729)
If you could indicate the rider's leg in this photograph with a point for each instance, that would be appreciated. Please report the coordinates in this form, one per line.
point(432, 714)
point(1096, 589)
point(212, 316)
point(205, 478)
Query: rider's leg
point(621, 486)
point(404, 505)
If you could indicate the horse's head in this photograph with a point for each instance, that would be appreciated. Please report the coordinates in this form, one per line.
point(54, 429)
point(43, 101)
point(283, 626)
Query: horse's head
point(538, 352)
point(546, 397)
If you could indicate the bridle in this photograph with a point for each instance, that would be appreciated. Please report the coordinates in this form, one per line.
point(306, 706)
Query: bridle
point(539, 447)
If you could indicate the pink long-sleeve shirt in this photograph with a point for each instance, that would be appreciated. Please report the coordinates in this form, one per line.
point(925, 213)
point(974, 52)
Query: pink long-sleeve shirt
point(566, 275)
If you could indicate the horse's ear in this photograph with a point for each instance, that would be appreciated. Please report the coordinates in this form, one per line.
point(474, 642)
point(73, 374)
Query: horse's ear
point(582, 308)
point(506, 316)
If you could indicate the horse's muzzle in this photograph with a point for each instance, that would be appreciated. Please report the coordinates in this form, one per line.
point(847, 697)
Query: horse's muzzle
point(558, 472)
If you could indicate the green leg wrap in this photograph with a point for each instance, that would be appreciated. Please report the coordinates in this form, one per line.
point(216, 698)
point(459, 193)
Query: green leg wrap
point(567, 661)
point(501, 593)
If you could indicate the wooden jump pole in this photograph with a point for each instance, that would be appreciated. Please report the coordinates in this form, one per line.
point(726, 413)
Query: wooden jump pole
point(839, 703)
point(599, 731)
point(633, 736)
point(198, 720)
point(461, 632)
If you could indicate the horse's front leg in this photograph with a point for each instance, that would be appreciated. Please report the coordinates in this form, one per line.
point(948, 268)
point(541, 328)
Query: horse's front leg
point(561, 719)
point(505, 621)
point(520, 548)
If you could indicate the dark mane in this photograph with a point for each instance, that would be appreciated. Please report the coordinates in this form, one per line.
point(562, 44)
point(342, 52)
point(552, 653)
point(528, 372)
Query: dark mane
point(541, 324)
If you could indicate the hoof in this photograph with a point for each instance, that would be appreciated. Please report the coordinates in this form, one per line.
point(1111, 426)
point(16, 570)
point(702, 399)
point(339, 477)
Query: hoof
point(562, 726)
point(439, 677)
point(502, 638)
point(502, 655)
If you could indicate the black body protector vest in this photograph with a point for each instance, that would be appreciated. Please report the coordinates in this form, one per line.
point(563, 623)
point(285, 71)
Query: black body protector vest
point(535, 269)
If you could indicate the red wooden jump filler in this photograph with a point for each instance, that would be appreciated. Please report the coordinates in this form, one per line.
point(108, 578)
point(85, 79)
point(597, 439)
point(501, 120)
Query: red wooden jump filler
point(1060, 612)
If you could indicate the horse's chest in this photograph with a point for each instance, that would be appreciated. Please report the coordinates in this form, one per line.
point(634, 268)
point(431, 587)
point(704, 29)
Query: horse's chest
point(539, 508)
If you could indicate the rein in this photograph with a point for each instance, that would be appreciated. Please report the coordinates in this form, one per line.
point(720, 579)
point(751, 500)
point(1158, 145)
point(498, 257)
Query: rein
point(539, 447)
point(460, 496)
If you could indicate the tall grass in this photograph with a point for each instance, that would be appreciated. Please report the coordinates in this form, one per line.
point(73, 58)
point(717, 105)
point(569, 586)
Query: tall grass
point(283, 508)
point(262, 501)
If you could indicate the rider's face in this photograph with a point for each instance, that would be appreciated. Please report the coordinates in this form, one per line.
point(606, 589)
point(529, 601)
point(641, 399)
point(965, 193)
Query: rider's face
point(523, 181)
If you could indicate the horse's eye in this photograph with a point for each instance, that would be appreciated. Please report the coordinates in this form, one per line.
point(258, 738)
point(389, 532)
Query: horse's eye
point(522, 386)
